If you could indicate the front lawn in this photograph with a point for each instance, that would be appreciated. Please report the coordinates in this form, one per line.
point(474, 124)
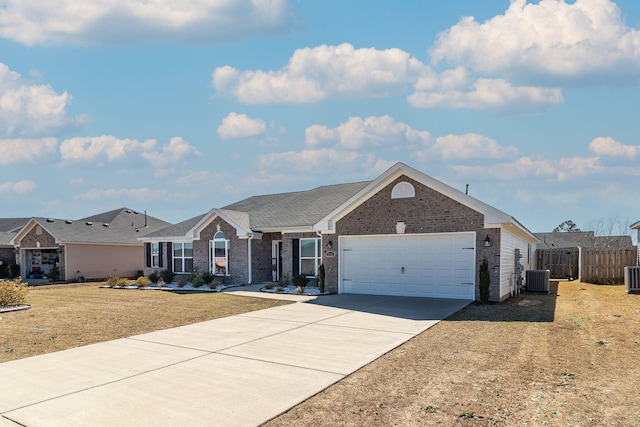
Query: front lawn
point(66, 316)
point(567, 359)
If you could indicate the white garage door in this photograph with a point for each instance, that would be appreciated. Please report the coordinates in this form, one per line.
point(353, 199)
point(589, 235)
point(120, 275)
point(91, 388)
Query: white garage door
point(427, 265)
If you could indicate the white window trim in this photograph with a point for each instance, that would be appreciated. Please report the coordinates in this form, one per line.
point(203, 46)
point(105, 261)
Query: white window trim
point(183, 258)
point(212, 255)
point(155, 256)
point(317, 258)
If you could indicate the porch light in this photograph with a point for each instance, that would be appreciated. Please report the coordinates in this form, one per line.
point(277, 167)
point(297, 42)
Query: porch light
point(487, 242)
point(330, 244)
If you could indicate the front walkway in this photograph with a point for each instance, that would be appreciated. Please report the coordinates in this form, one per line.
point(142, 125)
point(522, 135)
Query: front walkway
point(235, 371)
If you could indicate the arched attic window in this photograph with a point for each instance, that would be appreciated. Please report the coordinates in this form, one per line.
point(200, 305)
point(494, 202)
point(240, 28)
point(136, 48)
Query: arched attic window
point(403, 190)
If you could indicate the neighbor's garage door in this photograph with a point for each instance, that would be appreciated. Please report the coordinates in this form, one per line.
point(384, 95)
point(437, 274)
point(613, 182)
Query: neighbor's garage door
point(427, 265)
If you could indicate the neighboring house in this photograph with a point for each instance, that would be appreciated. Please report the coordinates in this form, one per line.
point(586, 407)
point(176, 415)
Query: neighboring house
point(584, 239)
point(95, 247)
point(404, 233)
point(8, 229)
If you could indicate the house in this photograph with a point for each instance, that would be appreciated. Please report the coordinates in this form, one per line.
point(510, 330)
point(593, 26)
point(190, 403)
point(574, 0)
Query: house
point(584, 239)
point(8, 229)
point(404, 233)
point(95, 247)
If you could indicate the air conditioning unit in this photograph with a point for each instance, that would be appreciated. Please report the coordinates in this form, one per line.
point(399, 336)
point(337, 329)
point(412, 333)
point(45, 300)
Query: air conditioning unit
point(537, 280)
point(632, 279)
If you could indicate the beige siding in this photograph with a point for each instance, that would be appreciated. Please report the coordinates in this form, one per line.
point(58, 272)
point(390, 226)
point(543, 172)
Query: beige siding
point(102, 261)
point(509, 244)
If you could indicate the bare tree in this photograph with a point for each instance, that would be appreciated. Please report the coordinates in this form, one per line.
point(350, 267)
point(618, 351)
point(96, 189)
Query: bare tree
point(612, 231)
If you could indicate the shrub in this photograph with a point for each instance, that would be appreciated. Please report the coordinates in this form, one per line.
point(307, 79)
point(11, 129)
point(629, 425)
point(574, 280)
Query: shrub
point(207, 277)
point(142, 282)
point(112, 281)
point(13, 270)
point(269, 286)
point(299, 289)
point(214, 283)
point(167, 276)
point(13, 292)
point(321, 275)
point(54, 274)
point(123, 281)
point(284, 281)
point(197, 282)
point(182, 282)
point(300, 281)
point(485, 281)
point(153, 277)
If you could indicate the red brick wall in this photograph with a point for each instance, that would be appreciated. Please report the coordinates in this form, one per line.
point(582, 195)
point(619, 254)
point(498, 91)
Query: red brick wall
point(427, 212)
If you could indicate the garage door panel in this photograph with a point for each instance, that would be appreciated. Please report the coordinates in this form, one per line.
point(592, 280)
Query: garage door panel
point(416, 265)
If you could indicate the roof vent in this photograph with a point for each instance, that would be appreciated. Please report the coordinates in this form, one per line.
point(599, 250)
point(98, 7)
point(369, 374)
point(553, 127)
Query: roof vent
point(128, 211)
point(51, 220)
point(89, 223)
point(68, 221)
point(106, 224)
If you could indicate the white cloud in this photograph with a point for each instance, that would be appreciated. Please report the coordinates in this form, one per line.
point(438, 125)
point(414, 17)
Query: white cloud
point(80, 22)
point(372, 131)
point(467, 146)
point(314, 74)
point(236, 126)
point(548, 39)
point(26, 151)
point(560, 169)
point(316, 161)
point(484, 93)
point(32, 110)
point(87, 149)
point(177, 150)
point(20, 187)
point(137, 194)
point(606, 146)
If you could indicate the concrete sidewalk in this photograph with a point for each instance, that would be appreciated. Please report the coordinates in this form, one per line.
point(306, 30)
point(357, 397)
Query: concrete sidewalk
point(235, 371)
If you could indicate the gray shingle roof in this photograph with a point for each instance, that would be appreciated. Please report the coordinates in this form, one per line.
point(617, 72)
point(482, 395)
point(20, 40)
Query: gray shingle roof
point(176, 230)
point(273, 211)
point(121, 226)
point(298, 209)
point(12, 224)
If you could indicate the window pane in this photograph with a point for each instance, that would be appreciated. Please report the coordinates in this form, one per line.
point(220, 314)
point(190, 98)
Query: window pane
point(308, 267)
point(219, 235)
point(188, 250)
point(155, 248)
point(221, 266)
point(188, 265)
point(177, 265)
point(220, 248)
point(308, 248)
point(177, 250)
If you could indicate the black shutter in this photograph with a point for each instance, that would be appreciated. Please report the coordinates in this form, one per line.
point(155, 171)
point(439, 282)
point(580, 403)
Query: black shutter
point(296, 256)
point(169, 256)
point(160, 262)
point(147, 250)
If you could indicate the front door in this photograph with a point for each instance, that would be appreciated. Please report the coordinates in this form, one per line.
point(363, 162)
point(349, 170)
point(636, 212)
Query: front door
point(276, 260)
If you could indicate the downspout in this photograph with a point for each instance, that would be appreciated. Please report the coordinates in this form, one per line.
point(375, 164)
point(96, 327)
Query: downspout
point(249, 261)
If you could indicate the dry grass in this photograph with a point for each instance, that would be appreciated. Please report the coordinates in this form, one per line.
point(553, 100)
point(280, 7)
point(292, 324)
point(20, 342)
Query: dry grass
point(66, 316)
point(566, 359)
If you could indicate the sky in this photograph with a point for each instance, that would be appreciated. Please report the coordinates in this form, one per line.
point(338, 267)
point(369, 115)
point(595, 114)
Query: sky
point(175, 108)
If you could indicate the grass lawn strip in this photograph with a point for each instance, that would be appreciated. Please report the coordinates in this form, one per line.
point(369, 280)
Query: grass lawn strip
point(566, 359)
point(67, 316)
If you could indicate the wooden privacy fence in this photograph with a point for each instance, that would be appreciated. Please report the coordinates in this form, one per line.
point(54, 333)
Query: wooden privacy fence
point(606, 265)
point(561, 263)
point(593, 265)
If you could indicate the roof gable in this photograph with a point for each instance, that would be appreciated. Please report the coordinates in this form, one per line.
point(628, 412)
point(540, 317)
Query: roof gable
point(493, 218)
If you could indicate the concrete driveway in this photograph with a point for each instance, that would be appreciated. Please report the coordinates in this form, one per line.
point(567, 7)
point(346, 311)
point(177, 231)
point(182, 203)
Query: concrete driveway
point(235, 371)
